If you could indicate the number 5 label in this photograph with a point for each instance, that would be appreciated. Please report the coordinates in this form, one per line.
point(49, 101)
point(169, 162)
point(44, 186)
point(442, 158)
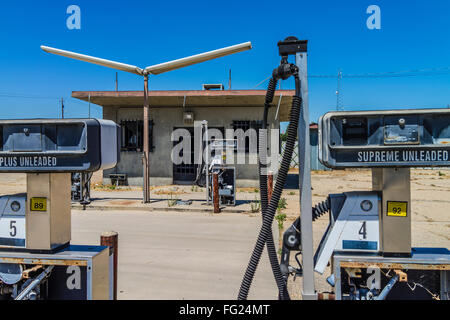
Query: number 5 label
point(12, 231)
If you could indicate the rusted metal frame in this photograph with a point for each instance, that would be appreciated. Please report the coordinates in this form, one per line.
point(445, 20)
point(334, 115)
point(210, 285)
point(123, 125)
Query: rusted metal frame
point(56, 262)
point(216, 199)
point(326, 296)
point(388, 265)
point(402, 276)
point(269, 185)
point(111, 240)
point(26, 273)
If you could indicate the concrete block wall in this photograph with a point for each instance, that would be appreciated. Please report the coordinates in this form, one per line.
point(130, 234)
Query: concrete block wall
point(165, 120)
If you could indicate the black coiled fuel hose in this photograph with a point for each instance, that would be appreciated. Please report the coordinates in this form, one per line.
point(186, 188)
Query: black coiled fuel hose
point(320, 209)
point(266, 228)
point(271, 250)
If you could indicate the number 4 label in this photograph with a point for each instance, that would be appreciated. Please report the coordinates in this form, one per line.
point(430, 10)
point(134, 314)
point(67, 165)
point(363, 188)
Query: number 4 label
point(363, 230)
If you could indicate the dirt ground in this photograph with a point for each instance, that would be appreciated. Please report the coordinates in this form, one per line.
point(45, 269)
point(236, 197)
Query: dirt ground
point(430, 193)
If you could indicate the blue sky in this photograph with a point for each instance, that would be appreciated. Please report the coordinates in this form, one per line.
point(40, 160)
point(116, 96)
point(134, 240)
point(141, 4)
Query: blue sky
point(413, 35)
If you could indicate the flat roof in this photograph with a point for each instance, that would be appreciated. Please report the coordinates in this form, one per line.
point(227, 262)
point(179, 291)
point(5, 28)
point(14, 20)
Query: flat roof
point(190, 98)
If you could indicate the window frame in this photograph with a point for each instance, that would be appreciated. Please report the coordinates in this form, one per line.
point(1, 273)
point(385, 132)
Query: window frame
point(126, 126)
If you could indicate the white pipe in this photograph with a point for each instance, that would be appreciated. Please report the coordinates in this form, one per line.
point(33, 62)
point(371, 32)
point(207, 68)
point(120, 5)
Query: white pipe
point(202, 57)
point(95, 60)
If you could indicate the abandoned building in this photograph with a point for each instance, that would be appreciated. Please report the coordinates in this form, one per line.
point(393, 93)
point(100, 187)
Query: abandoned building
point(169, 110)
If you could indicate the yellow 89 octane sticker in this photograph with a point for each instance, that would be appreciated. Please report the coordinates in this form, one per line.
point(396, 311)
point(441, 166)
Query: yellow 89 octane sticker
point(38, 204)
point(397, 208)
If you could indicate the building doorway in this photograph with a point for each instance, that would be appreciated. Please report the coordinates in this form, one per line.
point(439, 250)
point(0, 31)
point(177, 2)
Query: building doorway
point(186, 173)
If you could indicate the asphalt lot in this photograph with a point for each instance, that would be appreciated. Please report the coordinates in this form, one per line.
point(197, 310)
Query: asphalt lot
point(171, 255)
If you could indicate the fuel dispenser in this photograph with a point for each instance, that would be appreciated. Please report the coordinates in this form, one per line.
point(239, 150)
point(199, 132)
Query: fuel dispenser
point(368, 238)
point(81, 187)
point(214, 162)
point(37, 260)
point(369, 235)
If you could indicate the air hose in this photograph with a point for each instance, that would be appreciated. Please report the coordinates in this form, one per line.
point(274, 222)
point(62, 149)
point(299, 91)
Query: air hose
point(273, 258)
point(265, 233)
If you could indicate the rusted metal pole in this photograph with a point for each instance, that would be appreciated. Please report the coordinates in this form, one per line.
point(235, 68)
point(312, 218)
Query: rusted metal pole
point(269, 185)
point(326, 296)
point(111, 240)
point(216, 192)
point(145, 158)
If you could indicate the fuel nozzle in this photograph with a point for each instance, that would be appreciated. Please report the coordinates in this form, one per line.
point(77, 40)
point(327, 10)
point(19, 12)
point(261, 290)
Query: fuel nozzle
point(289, 46)
point(285, 70)
point(291, 242)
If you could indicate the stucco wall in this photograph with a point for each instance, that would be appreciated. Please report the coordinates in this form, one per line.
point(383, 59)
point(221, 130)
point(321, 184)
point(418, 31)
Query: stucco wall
point(165, 120)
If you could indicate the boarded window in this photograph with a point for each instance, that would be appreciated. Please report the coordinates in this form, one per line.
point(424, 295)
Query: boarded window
point(246, 125)
point(133, 135)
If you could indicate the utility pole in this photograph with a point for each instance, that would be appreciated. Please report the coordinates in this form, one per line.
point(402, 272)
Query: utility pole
point(62, 108)
point(117, 82)
point(338, 90)
point(229, 81)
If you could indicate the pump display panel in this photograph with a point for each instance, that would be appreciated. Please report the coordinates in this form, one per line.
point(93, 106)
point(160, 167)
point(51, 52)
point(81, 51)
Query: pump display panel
point(396, 138)
point(58, 145)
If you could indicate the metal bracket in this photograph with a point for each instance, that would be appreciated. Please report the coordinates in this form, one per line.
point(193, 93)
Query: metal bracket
point(291, 45)
point(402, 276)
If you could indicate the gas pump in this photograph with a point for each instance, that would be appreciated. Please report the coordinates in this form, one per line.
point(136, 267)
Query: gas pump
point(214, 162)
point(81, 187)
point(368, 238)
point(37, 260)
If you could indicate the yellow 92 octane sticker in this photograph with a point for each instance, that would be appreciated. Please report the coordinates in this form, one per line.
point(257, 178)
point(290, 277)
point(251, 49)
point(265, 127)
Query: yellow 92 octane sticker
point(38, 204)
point(397, 208)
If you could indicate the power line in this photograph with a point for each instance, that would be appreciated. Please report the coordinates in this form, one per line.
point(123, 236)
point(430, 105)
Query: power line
point(80, 101)
point(25, 96)
point(338, 91)
point(403, 73)
point(260, 83)
point(387, 74)
point(14, 95)
point(64, 103)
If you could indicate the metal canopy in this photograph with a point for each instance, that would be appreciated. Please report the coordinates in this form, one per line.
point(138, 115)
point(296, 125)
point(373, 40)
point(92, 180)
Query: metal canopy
point(155, 69)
